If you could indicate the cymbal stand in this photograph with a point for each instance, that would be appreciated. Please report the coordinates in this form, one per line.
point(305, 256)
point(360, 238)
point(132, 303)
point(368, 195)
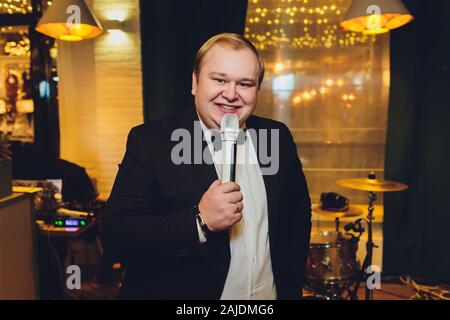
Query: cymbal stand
point(369, 251)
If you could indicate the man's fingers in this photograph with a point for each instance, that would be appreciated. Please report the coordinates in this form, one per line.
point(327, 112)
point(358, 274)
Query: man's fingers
point(215, 184)
point(229, 187)
point(233, 208)
point(233, 197)
point(237, 217)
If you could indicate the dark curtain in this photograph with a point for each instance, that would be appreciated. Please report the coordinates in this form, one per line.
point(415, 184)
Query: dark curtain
point(45, 90)
point(45, 95)
point(171, 33)
point(417, 222)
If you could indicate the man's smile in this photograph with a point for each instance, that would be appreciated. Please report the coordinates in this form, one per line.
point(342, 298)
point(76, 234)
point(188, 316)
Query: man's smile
point(228, 108)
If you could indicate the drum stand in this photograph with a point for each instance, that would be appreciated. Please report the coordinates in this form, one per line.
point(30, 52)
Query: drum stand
point(372, 185)
point(363, 275)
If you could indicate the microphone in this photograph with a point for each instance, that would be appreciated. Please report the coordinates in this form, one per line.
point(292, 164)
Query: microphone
point(229, 130)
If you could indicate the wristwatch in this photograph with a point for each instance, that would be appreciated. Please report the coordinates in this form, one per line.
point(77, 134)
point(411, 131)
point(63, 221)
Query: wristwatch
point(200, 221)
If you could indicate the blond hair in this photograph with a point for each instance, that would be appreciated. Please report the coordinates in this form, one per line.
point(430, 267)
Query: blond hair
point(236, 42)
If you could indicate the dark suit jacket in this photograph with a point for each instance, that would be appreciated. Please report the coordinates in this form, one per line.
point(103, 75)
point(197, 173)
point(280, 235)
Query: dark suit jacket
point(150, 224)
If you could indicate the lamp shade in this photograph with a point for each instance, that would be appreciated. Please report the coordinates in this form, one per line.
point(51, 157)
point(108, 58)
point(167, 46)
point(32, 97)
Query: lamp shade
point(376, 16)
point(69, 20)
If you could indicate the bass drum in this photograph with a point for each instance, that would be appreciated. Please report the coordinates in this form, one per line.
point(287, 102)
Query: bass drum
point(332, 257)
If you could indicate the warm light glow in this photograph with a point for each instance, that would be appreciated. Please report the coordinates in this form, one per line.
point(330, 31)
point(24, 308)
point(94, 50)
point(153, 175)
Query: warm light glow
point(301, 17)
point(15, 7)
point(2, 107)
point(69, 37)
point(348, 97)
point(279, 67)
point(306, 96)
point(69, 32)
point(54, 52)
point(119, 15)
point(296, 100)
point(329, 82)
point(398, 21)
point(25, 106)
point(81, 24)
point(376, 24)
point(117, 37)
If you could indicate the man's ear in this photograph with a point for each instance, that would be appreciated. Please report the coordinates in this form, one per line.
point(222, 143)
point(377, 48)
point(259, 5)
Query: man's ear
point(194, 83)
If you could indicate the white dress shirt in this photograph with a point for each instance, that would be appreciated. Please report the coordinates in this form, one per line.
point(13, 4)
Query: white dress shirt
point(250, 274)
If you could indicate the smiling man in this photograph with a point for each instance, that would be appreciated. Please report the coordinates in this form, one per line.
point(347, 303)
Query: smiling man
point(180, 232)
point(226, 79)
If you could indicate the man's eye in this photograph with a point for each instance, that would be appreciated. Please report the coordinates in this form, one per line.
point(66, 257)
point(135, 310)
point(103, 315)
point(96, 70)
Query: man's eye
point(244, 85)
point(221, 81)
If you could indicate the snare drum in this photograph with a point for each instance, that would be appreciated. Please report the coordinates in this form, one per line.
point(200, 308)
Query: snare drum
point(332, 257)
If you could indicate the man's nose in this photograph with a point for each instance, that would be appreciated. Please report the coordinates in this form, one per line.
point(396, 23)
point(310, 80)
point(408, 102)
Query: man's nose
point(230, 92)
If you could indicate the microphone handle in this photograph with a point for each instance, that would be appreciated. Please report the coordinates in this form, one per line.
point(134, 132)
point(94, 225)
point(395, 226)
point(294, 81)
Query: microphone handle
point(229, 148)
point(233, 165)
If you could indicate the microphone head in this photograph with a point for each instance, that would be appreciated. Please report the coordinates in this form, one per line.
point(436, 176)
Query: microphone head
point(229, 127)
point(229, 121)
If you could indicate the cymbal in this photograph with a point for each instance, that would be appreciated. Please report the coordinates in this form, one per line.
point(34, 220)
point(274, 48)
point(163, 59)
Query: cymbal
point(351, 212)
point(374, 185)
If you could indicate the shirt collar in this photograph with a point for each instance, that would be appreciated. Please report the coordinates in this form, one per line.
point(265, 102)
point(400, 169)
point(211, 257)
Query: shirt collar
point(207, 132)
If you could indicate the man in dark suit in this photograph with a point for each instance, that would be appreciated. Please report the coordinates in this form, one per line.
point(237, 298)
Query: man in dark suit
point(180, 231)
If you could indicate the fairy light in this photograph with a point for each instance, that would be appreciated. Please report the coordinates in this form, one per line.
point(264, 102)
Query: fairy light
point(296, 100)
point(306, 96)
point(15, 6)
point(279, 67)
point(17, 45)
point(309, 24)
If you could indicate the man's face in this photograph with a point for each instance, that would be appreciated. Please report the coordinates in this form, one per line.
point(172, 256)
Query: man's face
point(227, 84)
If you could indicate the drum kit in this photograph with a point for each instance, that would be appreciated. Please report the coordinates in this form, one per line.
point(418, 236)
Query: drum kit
point(333, 270)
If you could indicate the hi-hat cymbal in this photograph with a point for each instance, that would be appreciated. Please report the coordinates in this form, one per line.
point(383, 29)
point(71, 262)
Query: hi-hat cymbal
point(373, 185)
point(351, 212)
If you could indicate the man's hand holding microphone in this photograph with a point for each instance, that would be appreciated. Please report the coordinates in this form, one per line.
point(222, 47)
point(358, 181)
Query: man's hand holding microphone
point(221, 205)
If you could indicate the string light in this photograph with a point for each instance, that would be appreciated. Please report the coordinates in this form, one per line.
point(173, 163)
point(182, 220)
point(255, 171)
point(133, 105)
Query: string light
point(296, 100)
point(348, 97)
point(17, 43)
point(300, 24)
point(15, 6)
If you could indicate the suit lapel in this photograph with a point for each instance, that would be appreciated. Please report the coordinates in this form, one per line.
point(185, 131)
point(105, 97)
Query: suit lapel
point(204, 172)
